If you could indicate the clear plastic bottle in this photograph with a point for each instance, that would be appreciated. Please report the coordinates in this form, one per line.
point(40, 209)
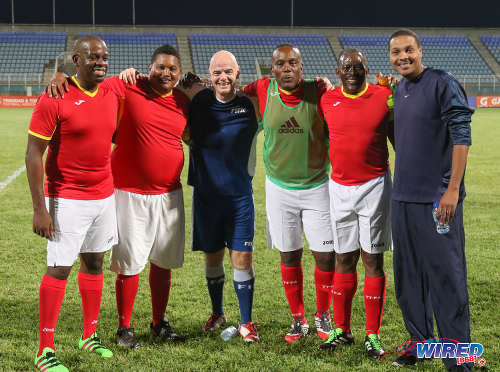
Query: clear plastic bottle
point(229, 333)
point(440, 228)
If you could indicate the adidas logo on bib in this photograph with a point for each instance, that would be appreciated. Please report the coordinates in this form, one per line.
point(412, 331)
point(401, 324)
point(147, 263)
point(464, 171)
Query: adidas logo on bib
point(291, 126)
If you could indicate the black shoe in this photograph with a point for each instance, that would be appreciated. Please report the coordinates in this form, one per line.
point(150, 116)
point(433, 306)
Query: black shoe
point(125, 338)
point(405, 360)
point(337, 337)
point(162, 332)
point(373, 346)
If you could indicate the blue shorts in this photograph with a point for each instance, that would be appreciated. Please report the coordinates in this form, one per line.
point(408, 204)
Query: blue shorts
point(222, 221)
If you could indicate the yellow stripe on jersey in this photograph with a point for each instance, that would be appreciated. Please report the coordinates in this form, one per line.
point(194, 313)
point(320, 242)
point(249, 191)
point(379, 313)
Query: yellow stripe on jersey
point(91, 94)
point(162, 95)
point(40, 136)
point(355, 95)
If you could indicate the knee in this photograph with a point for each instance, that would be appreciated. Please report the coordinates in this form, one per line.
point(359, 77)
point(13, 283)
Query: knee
point(346, 262)
point(59, 272)
point(325, 261)
point(241, 260)
point(374, 264)
point(291, 259)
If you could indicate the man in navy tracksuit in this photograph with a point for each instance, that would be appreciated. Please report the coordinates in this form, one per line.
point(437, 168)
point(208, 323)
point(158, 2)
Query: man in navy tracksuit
point(432, 139)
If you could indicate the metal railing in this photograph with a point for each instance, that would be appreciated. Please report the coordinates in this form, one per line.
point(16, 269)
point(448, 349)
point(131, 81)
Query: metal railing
point(34, 83)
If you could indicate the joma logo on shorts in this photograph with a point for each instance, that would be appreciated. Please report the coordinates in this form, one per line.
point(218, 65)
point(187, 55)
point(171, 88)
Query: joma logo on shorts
point(248, 244)
point(325, 242)
point(377, 245)
point(291, 126)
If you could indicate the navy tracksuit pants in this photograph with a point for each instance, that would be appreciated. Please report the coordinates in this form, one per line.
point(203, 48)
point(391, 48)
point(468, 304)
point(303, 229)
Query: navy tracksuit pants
point(430, 274)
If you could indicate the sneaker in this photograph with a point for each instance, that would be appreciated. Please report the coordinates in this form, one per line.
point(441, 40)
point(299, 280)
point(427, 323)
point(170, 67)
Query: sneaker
point(214, 322)
point(405, 360)
point(299, 329)
point(48, 361)
point(125, 338)
point(373, 346)
point(337, 337)
point(162, 332)
point(323, 323)
point(248, 332)
point(93, 344)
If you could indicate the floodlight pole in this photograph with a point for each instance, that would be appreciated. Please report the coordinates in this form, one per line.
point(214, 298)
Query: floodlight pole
point(291, 13)
point(12, 11)
point(54, 12)
point(133, 13)
point(93, 12)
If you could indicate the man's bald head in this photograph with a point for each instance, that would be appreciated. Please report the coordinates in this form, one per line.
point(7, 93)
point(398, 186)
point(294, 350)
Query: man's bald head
point(223, 58)
point(287, 66)
point(286, 47)
point(82, 44)
point(224, 71)
point(351, 52)
point(90, 56)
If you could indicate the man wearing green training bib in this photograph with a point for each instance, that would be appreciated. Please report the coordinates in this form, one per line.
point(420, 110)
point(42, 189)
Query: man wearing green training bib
point(297, 200)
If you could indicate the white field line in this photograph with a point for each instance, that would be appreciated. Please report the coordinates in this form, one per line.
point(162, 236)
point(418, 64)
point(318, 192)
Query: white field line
point(11, 178)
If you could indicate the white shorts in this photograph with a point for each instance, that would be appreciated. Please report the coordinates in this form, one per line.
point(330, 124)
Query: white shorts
point(292, 212)
point(150, 227)
point(81, 226)
point(361, 215)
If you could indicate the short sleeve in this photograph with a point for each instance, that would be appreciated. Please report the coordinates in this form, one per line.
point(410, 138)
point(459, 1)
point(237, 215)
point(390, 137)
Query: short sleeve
point(252, 89)
point(114, 84)
point(45, 118)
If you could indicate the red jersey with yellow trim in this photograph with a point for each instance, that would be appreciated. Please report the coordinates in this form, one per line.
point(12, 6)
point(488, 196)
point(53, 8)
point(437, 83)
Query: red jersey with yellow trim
point(357, 126)
point(292, 98)
point(148, 156)
point(79, 127)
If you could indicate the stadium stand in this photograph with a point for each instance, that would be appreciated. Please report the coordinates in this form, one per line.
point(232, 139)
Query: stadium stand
point(254, 49)
point(132, 49)
point(453, 53)
point(493, 45)
point(28, 52)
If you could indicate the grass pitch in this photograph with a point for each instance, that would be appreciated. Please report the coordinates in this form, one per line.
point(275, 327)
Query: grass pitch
point(22, 264)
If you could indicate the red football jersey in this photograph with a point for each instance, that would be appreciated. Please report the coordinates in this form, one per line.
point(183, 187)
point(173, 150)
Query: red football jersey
point(79, 127)
point(260, 87)
point(357, 126)
point(148, 156)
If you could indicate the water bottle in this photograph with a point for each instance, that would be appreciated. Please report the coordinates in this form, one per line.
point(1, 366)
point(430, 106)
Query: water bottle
point(440, 228)
point(229, 333)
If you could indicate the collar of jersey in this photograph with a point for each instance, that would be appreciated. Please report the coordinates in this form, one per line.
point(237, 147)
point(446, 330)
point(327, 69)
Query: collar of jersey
point(91, 94)
point(355, 95)
point(290, 92)
point(162, 95)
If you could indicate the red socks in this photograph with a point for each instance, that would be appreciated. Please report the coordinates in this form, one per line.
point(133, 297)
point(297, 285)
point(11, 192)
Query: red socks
point(91, 292)
point(159, 282)
point(50, 300)
point(292, 283)
point(323, 281)
point(344, 288)
point(126, 289)
point(374, 302)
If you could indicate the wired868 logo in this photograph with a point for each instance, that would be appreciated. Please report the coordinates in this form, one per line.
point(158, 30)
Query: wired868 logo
point(441, 348)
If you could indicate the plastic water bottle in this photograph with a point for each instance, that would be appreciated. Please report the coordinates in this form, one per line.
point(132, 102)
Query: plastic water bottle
point(440, 228)
point(229, 333)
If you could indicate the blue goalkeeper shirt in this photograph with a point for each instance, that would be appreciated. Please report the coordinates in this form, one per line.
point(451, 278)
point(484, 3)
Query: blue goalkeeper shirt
point(222, 145)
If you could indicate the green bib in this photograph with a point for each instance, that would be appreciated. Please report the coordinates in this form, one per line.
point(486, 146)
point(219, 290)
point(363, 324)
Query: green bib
point(295, 140)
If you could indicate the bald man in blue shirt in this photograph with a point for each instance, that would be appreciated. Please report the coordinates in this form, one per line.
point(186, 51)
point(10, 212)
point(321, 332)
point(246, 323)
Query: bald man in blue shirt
point(432, 139)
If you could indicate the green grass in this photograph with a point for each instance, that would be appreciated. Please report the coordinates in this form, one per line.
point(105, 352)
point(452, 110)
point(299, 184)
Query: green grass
point(22, 264)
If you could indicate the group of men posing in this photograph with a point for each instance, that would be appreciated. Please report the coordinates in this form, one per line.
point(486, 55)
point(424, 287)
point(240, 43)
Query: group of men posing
point(130, 200)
